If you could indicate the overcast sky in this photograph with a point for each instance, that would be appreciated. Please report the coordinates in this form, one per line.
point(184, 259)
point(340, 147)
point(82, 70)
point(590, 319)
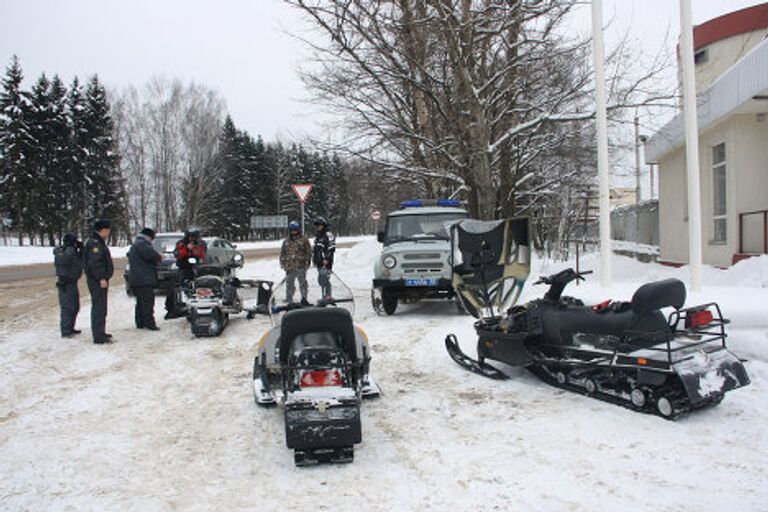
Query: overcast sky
point(237, 47)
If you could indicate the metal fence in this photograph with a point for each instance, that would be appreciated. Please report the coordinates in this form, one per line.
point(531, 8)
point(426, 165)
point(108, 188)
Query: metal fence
point(638, 225)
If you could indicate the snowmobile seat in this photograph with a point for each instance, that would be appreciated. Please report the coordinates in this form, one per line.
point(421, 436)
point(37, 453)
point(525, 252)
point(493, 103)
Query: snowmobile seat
point(213, 282)
point(657, 295)
point(336, 322)
point(210, 270)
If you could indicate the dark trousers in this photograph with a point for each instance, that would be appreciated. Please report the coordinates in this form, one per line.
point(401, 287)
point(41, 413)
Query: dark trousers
point(69, 302)
point(324, 280)
point(98, 310)
point(145, 306)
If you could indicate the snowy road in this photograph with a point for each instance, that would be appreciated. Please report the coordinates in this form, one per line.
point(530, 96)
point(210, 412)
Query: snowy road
point(164, 421)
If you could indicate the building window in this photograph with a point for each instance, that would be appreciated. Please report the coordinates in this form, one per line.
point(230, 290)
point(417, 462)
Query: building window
point(701, 56)
point(719, 204)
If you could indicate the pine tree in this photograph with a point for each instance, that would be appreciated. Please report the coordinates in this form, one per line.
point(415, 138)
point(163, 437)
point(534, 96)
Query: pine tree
point(76, 186)
point(102, 174)
point(15, 147)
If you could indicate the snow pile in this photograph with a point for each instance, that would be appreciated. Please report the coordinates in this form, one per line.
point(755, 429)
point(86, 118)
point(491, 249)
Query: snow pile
point(27, 255)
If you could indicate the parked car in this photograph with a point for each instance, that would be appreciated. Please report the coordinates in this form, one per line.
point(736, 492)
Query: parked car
point(167, 271)
point(222, 252)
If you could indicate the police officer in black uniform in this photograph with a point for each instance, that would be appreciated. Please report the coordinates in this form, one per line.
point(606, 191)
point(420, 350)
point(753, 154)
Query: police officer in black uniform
point(69, 267)
point(143, 259)
point(97, 261)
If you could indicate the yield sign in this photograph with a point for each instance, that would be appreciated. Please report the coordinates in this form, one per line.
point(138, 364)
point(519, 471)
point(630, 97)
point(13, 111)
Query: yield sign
point(302, 191)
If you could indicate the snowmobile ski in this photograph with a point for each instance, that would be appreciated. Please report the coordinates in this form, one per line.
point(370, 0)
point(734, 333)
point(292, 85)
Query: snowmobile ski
point(468, 363)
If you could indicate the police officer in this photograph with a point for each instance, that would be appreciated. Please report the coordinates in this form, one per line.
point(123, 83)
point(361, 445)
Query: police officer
point(69, 267)
point(322, 255)
point(97, 261)
point(143, 259)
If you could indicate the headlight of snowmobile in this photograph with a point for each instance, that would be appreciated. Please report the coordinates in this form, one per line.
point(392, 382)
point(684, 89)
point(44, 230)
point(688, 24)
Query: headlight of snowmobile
point(389, 261)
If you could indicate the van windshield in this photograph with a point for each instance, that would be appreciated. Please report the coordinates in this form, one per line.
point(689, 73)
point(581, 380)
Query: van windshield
point(421, 227)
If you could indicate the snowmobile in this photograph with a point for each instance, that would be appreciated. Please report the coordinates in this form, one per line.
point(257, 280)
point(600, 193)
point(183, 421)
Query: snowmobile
point(627, 353)
point(315, 363)
point(216, 292)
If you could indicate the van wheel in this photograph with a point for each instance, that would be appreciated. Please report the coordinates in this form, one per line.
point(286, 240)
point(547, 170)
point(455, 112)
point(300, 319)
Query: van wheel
point(388, 302)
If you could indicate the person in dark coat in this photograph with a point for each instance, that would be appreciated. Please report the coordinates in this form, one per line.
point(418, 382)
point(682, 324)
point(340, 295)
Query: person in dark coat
point(99, 268)
point(69, 267)
point(322, 256)
point(143, 259)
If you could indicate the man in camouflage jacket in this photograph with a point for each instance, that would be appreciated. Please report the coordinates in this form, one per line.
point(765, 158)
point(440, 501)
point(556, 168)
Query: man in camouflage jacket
point(295, 258)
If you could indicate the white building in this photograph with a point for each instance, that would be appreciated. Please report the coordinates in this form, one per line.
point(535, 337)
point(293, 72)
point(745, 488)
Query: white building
point(732, 84)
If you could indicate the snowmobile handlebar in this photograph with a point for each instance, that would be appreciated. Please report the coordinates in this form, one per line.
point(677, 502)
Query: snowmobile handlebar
point(557, 282)
point(563, 277)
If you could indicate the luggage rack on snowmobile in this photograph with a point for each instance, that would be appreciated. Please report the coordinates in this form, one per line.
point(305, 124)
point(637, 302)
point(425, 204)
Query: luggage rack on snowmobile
point(700, 325)
point(637, 349)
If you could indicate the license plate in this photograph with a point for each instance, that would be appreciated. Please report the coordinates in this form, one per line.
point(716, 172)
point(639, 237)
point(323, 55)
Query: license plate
point(420, 282)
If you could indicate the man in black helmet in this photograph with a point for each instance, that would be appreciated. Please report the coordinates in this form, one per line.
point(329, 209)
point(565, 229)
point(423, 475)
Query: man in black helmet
point(143, 259)
point(69, 267)
point(189, 249)
point(97, 261)
point(322, 256)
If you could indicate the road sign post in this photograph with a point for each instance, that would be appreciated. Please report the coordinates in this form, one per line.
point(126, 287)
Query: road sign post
point(376, 215)
point(302, 190)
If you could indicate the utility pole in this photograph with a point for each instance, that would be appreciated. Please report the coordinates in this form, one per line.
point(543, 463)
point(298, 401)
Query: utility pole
point(691, 144)
point(601, 117)
point(637, 159)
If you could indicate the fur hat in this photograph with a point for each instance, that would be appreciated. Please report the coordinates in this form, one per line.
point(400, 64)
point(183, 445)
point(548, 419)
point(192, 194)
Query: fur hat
point(102, 224)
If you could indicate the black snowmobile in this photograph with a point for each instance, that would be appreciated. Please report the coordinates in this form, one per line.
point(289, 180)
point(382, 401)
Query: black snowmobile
point(626, 353)
point(315, 363)
point(215, 293)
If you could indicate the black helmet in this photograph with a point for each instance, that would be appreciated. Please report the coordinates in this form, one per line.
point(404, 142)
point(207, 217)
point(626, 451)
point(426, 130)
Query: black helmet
point(192, 232)
point(320, 221)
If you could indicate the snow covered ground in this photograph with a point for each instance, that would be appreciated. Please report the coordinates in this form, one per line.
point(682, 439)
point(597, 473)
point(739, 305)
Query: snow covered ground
point(164, 421)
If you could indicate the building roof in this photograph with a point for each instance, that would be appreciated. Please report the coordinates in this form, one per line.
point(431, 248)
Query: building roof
point(731, 24)
point(743, 89)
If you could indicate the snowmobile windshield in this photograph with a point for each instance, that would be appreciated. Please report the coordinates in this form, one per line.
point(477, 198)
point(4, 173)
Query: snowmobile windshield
point(491, 261)
point(324, 290)
point(417, 227)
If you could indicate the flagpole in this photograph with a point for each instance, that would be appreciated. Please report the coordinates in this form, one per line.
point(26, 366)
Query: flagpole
point(598, 54)
point(691, 145)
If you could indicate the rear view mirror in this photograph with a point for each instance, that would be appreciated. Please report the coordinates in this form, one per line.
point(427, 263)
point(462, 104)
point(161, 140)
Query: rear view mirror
point(380, 236)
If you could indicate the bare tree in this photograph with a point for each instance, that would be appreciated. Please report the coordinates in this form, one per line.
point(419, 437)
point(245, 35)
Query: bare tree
point(168, 138)
point(462, 93)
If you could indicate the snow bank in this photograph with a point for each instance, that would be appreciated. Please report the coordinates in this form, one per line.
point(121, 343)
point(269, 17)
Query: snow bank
point(27, 255)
